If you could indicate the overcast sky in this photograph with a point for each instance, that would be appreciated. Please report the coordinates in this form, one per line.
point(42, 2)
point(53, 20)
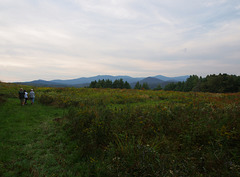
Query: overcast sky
point(65, 39)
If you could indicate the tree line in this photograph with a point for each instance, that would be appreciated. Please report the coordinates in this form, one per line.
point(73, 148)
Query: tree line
point(119, 83)
point(221, 83)
point(145, 86)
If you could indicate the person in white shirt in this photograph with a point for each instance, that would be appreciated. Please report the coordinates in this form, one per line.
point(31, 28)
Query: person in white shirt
point(25, 96)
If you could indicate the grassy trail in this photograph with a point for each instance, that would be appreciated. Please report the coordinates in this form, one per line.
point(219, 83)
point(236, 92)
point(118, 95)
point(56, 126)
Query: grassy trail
point(31, 142)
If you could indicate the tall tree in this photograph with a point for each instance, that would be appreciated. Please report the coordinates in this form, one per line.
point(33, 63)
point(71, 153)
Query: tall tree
point(170, 87)
point(191, 82)
point(115, 84)
point(127, 85)
point(93, 84)
point(138, 86)
point(145, 86)
point(121, 84)
point(159, 87)
point(108, 83)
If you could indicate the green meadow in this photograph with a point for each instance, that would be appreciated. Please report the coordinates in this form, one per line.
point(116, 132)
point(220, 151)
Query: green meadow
point(119, 132)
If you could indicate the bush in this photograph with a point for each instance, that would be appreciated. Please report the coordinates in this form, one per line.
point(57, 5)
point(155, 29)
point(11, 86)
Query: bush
point(46, 99)
point(3, 98)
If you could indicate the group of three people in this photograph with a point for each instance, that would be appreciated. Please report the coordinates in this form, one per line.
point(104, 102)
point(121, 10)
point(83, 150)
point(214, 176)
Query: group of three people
point(23, 96)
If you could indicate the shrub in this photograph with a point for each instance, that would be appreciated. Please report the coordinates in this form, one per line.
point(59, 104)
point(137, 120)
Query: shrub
point(3, 98)
point(46, 99)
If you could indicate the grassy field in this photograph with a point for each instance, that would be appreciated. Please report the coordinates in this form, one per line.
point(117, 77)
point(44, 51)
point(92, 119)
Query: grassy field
point(114, 132)
point(29, 140)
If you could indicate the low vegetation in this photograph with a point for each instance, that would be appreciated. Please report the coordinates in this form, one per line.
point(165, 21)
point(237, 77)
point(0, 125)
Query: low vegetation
point(122, 132)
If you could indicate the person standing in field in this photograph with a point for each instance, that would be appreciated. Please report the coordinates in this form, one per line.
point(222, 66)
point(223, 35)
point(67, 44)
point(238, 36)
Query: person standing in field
point(21, 94)
point(25, 96)
point(32, 96)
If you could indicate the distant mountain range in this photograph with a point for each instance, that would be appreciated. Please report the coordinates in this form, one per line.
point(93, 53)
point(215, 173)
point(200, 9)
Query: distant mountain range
point(153, 82)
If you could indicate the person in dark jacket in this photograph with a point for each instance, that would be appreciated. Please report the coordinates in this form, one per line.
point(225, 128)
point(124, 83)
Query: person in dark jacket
point(21, 94)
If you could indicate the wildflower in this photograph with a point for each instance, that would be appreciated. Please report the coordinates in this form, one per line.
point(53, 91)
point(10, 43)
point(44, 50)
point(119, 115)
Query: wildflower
point(92, 160)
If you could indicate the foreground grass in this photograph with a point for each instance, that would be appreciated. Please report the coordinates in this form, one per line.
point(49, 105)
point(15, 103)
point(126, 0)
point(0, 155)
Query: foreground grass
point(32, 142)
point(113, 132)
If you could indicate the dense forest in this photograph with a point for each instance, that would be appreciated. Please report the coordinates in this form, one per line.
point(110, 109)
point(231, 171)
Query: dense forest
point(119, 83)
point(222, 83)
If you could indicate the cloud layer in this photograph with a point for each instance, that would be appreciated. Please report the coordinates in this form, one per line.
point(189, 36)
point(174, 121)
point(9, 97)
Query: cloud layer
point(70, 39)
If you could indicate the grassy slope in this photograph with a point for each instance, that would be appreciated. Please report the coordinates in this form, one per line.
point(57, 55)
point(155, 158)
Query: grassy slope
point(28, 142)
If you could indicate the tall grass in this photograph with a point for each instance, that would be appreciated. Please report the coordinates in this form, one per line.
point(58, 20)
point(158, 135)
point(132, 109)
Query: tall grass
point(114, 132)
point(147, 133)
point(156, 140)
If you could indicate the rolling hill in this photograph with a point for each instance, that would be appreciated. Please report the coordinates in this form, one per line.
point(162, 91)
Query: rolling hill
point(85, 81)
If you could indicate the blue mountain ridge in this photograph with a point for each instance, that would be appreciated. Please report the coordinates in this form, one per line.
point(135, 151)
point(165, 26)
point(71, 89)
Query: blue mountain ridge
point(129, 79)
point(85, 81)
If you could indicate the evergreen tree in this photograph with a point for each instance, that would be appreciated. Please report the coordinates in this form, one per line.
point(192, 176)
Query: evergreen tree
point(115, 84)
point(170, 87)
point(191, 82)
point(102, 83)
point(159, 87)
point(98, 85)
point(137, 86)
point(127, 85)
point(108, 83)
point(93, 84)
point(179, 86)
point(121, 84)
point(145, 86)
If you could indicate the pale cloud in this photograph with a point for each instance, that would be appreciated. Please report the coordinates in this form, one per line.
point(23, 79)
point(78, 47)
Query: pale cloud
point(110, 9)
point(6, 63)
point(70, 39)
point(237, 7)
point(214, 2)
